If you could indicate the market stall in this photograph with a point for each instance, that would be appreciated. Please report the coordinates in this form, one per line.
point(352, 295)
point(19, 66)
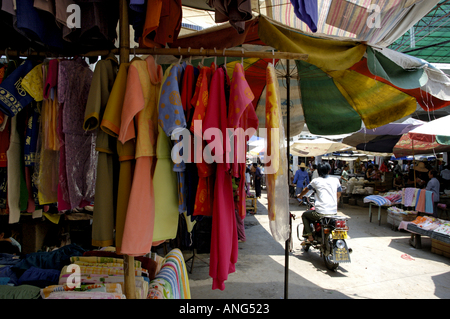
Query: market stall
point(126, 113)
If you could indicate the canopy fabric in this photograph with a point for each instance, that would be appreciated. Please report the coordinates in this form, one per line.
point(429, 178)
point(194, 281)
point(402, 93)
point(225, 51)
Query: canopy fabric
point(407, 146)
point(352, 19)
point(427, 101)
point(329, 113)
point(323, 53)
point(377, 104)
point(429, 78)
point(429, 131)
point(316, 147)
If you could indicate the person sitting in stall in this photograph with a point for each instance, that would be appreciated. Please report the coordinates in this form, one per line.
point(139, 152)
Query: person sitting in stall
point(398, 182)
point(368, 173)
point(376, 174)
point(421, 176)
point(5, 236)
point(433, 185)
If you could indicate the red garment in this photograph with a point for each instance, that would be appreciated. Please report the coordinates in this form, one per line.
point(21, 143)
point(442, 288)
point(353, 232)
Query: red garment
point(52, 77)
point(205, 189)
point(224, 240)
point(4, 144)
point(241, 115)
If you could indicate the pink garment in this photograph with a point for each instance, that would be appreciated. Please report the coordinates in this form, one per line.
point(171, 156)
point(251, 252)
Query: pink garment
point(224, 241)
point(421, 203)
point(139, 118)
point(138, 229)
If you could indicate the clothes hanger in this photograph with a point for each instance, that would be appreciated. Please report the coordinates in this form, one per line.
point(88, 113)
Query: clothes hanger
point(190, 57)
point(181, 57)
point(242, 58)
point(223, 53)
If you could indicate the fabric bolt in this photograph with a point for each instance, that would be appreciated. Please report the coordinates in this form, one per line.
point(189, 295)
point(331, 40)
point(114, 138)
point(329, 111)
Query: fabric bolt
point(13, 98)
point(242, 118)
point(160, 288)
point(237, 12)
point(276, 177)
point(140, 104)
point(105, 197)
point(307, 11)
point(74, 80)
point(429, 202)
point(224, 242)
point(176, 256)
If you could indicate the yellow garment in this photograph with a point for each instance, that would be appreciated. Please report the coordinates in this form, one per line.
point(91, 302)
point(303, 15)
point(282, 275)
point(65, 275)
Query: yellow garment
point(325, 54)
point(275, 170)
point(376, 103)
point(33, 83)
point(113, 111)
point(54, 218)
point(166, 191)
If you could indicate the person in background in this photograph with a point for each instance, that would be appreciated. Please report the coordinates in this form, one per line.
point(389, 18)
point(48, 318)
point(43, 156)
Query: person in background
point(301, 179)
point(327, 193)
point(258, 176)
point(445, 175)
point(376, 174)
point(344, 175)
point(433, 186)
point(398, 182)
point(314, 174)
point(5, 236)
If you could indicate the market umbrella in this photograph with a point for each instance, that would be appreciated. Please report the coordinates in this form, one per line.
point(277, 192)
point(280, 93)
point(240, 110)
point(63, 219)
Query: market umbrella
point(316, 147)
point(381, 139)
point(407, 146)
point(436, 130)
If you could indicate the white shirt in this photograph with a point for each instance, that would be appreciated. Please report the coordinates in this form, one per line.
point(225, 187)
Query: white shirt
point(326, 189)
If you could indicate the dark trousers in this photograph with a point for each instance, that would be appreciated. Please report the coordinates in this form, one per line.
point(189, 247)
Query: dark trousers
point(308, 217)
point(258, 187)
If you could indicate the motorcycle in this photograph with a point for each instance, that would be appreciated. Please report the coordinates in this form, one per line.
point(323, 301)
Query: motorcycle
point(329, 233)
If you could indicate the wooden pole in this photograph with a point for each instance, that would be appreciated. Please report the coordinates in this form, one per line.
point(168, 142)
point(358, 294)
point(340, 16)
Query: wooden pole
point(124, 52)
point(288, 136)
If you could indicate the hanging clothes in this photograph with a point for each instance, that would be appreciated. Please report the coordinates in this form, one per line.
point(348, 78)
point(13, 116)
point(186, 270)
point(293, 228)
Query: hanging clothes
point(276, 173)
point(241, 115)
point(13, 98)
point(111, 125)
point(167, 197)
point(171, 118)
point(237, 12)
point(162, 23)
point(105, 195)
point(140, 105)
point(224, 241)
point(307, 11)
point(74, 81)
point(204, 197)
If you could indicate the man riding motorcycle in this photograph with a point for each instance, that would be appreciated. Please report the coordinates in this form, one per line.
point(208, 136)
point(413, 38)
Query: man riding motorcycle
point(327, 193)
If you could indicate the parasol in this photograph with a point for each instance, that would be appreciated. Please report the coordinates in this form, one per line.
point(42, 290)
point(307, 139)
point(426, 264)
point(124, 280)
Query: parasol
point(316, 147)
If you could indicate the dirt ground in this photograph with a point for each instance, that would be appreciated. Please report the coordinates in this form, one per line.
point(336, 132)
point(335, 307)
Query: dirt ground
point(383, 264)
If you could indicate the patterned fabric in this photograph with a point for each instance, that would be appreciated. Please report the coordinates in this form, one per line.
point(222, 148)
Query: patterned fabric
point(33, 83)
point(13, 97)
point(276, 174)
point(377, 200)
point(171, 117)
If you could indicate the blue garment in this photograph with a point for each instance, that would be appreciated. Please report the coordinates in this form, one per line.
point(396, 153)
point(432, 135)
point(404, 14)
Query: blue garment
point(13, 98)
point(40, 277)
point(301, 179)
point(306, 10)
point(171, 117)
point(433, 186)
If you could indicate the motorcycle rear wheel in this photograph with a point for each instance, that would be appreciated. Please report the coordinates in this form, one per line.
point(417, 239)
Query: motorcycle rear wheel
point(327, 256)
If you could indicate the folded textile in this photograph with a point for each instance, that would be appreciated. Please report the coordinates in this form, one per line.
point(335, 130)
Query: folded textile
point(378, 200)
point(84, 295)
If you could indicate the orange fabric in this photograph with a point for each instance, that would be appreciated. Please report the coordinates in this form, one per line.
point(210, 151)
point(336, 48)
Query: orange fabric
point(162, 23)
point(204, 198)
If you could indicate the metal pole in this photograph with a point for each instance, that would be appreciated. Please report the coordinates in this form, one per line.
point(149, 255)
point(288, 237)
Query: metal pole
point(288, 136)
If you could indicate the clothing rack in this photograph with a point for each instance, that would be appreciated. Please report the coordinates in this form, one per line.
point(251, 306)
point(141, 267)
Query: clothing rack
point(185, 52)
point(124, 52)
